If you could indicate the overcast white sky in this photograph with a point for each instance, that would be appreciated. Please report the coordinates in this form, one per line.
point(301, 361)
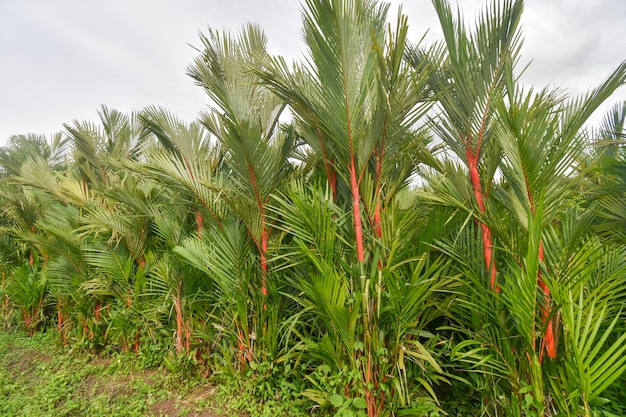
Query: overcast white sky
point(61, 59)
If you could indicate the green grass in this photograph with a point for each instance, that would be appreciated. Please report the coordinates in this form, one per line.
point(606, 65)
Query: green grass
point(39, 379)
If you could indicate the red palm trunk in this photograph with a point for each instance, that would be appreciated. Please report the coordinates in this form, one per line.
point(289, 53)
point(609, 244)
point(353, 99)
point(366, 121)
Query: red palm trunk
point(549, 340)
point(356, 208)
point(472, 161)
point(263, 254)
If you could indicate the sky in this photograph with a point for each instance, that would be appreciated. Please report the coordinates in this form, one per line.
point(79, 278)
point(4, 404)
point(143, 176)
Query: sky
point(61, 59)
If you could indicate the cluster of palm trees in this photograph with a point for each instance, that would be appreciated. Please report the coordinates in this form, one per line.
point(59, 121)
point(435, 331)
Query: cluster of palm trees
point(378, 222)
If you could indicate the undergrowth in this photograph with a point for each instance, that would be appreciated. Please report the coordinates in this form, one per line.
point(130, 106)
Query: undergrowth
point(40, 378)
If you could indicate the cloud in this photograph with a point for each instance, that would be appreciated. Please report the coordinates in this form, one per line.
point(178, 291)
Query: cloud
point(571, 42)
point(62, 59)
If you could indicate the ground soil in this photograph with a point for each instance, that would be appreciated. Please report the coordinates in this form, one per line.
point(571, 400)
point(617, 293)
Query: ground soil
point(97, 379)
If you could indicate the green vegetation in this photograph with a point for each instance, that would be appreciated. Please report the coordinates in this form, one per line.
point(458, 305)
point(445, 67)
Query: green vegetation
point(39, 380)
point(422, 237)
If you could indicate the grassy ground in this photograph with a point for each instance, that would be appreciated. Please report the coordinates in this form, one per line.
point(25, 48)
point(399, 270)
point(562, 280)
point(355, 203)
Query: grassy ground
point(38, 379)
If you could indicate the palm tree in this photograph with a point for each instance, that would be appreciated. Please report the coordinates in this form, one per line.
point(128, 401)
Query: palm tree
point(23, 208)
point(21, 148)
point(538, 139)
point(81, 198)
point(392, 346)
point(609, 187)
point(246, 122)
point(470, 76)
point(95, 147)
point(245, 119)
point(356, 103)
point(532, 141)
point(188, 161)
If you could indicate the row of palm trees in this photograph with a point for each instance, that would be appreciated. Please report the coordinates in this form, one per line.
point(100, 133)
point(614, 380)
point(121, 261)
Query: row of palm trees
point(379, 224)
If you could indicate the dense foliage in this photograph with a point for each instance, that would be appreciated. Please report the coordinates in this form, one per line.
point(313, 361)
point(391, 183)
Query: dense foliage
point(378, 229)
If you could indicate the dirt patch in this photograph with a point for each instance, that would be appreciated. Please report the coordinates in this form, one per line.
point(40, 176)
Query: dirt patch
point(117, 387)
point(40, 357)
point(201, 392)
point(95, 381)
point(189, 406)
point(26, 362)
point(120, 385)
point(102, 361)
point(174, 408)
point(165, 408)
point(94, 385)
point(89, 382)
point(148, 377)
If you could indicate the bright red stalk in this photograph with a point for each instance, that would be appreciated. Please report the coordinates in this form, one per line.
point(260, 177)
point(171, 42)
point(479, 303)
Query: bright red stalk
point(356, 207)
point(263, 253)
point(472, 162)
point(354, 184)
point(549, 342)
point(549, 339)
